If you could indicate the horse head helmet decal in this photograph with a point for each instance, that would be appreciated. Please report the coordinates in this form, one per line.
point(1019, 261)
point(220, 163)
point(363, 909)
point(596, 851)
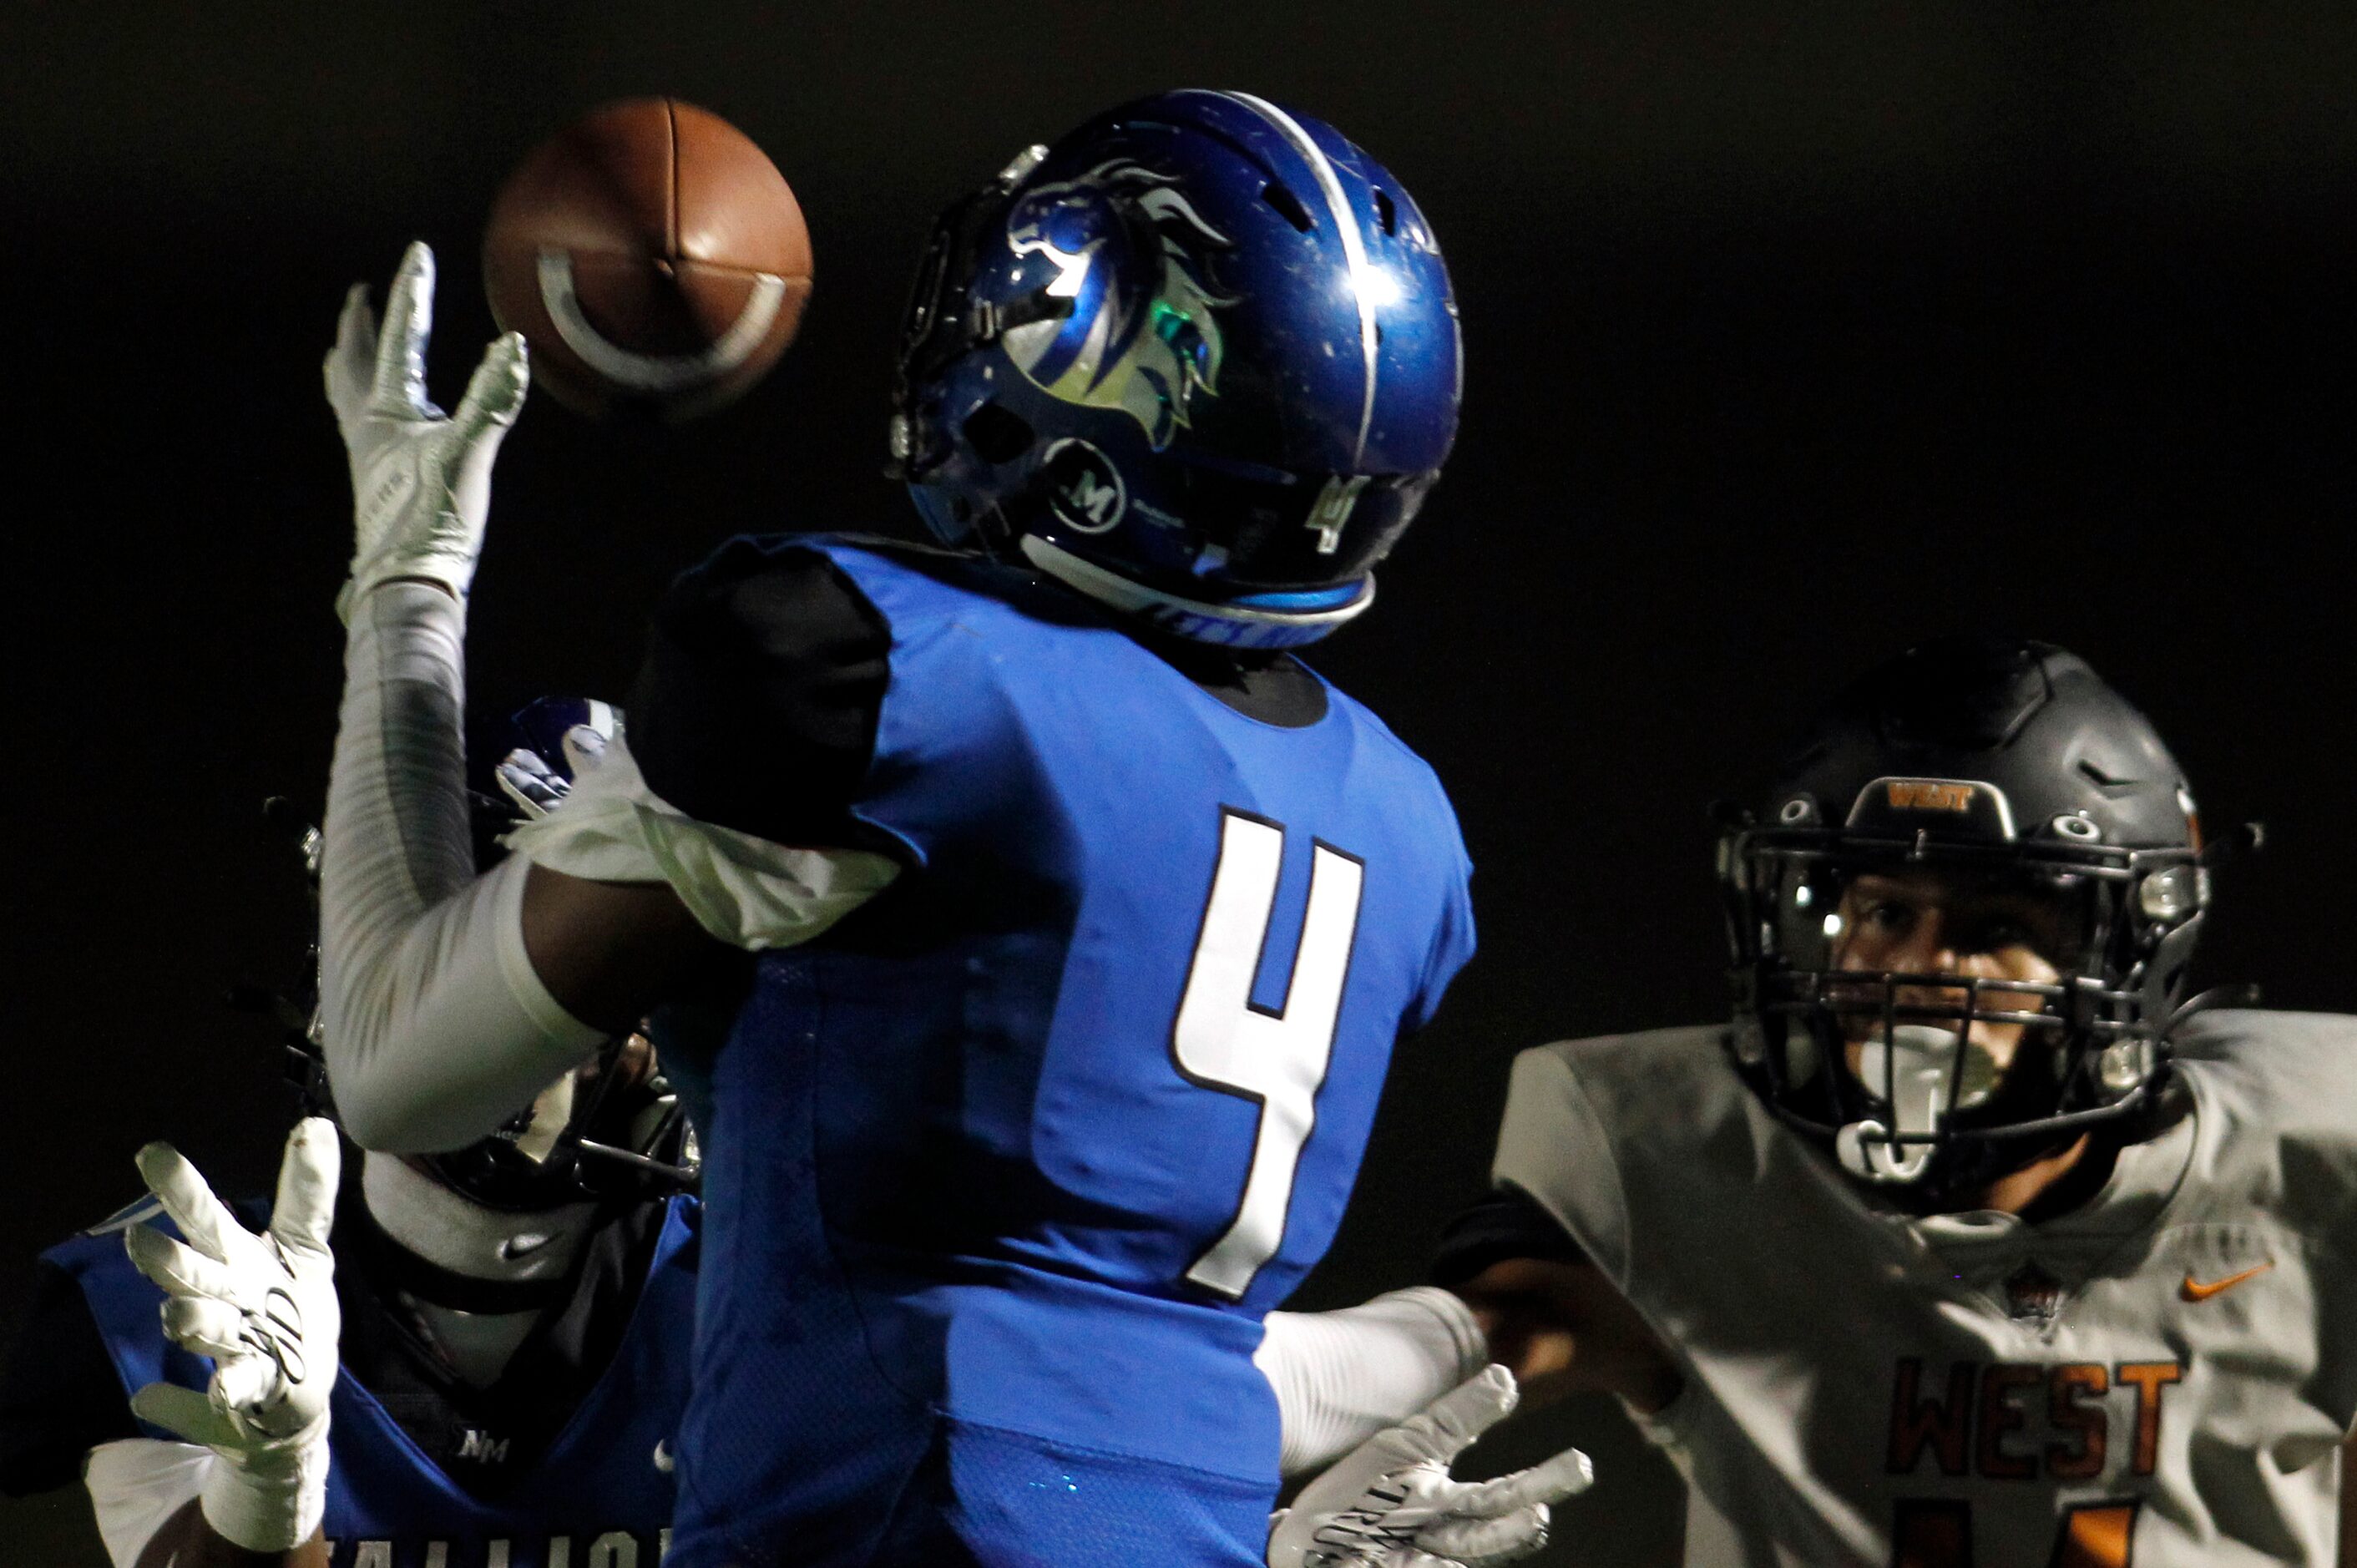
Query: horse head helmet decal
point(1141, 335)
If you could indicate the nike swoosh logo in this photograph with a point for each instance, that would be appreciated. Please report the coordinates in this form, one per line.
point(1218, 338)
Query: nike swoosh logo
point(2195, 1290)
point(514, 1247)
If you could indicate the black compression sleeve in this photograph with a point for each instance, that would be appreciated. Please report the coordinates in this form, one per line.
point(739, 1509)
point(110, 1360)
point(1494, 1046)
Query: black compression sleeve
point(59, 1396)
point(1508, 1223)
point(757, 706)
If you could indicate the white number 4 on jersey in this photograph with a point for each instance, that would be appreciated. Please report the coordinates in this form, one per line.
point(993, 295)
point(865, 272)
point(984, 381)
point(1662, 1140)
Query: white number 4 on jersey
point(1223, 1040)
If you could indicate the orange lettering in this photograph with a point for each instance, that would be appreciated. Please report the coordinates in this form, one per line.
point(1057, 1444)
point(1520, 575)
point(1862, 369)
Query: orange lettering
point(2096, 1535)
point(1937, 1533)
point(2001, 1413)
point(1942, 1423)
point(2148, 1378)
point(2066, 1408)
point(1923, 795)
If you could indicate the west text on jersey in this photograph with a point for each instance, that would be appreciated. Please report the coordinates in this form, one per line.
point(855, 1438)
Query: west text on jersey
point(2013, 1421)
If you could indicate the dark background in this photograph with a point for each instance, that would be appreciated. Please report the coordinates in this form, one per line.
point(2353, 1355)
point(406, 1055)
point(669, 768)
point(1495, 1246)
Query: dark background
point(1791, 339)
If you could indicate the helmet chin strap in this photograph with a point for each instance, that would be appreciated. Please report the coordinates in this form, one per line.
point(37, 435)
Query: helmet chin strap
point(1226, 624)
point(1916, 1067)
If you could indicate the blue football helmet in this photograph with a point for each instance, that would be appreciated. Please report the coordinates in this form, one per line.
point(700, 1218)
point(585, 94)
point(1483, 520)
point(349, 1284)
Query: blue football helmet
point(1200, 359)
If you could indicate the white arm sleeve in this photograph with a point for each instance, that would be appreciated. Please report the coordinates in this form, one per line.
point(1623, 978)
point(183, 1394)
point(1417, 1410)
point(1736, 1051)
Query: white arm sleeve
point(1342, 1376)
point(437, 1029)
point(135, 1487)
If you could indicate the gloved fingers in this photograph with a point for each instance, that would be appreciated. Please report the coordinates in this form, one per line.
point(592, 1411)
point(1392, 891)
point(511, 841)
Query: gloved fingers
point(186, 1413)
point(351, 364)
point(1448, 1425)
point(585, 748)
point(1567, 1475)
point(248, 1384)
point(1480, 1542)
point(205, 1325)
point(181, 1271)
point(398, 385)
point(204, 1220)
point(305, 1210)
point(528, 781)
point(495, 393)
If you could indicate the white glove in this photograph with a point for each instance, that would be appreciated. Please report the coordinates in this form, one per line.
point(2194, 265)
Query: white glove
point(421, 483)
point(1390, 1502)
point(264, 1307)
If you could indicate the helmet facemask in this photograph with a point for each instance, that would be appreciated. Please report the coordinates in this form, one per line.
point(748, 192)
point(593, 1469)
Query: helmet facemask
point(1944, 1013)
point(1961, 921)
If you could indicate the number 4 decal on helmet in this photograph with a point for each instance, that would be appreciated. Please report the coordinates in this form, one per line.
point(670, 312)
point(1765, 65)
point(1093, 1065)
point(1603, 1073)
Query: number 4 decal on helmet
point(1226, 1041)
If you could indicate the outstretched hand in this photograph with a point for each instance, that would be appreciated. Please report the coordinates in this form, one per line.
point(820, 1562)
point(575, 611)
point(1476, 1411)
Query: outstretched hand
point(1392, 1503)
point(264, 1307)
point(421, 480)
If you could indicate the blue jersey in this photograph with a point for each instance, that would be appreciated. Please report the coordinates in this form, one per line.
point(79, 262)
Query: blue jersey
point(601, 1496)
point(1004, 1171)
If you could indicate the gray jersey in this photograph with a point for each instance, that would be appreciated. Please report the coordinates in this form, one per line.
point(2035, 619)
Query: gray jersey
point(2159, 1377)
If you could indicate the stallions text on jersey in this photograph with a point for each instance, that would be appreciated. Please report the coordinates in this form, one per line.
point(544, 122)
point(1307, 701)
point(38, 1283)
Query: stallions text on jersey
point(2158, 1379)
point(1005, 1169)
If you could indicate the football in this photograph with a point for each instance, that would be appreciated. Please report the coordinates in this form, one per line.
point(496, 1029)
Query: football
point(654, 258)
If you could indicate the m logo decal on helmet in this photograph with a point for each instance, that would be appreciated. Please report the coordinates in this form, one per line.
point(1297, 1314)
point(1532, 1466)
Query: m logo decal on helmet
point(1142, 335)
point(1084, 490)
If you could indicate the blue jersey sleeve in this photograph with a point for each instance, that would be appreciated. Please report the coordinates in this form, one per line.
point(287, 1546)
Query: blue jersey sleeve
point(1452, 947)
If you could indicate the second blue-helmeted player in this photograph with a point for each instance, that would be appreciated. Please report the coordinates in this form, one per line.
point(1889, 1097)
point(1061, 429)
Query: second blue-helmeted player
point(487, 1369)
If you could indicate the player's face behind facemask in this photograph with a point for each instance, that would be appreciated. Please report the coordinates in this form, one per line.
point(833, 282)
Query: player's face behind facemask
point(1940, 982)
point(2010, 937)
point(1962, 919)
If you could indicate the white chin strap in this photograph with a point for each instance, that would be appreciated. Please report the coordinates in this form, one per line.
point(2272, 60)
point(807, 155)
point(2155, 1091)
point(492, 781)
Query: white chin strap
point(1913, 1070)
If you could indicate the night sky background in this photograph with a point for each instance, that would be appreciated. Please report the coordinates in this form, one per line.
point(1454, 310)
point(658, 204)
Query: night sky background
point(1791, 337)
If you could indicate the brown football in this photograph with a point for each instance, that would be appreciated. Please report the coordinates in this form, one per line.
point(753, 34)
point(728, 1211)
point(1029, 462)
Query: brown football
point(652, 256)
